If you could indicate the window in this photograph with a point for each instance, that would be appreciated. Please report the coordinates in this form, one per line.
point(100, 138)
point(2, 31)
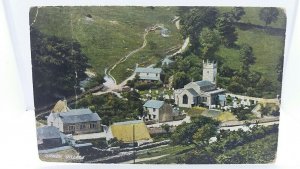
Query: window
point(92, 125)
point(154, 116)
point(156, 74)
point(147, 74)
point(154, 109)
point(204, 99)
point(82, 126)
point(71, 127)
point(185, 99)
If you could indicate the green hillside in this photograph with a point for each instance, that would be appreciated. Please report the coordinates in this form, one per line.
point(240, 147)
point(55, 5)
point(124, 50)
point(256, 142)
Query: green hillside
point(267, 46)
point(105, 33)
point(109, 33)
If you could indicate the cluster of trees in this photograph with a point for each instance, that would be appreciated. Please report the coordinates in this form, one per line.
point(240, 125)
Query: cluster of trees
point(58, 65)
point(267, 110)
point(185, 69)
point(207, 28)
point(243, 113)
point(257, 152)
point(198, 132)
point(113, 109)
point(245, 81)
point(143, 85)
point(94, 81)
point(229, 143)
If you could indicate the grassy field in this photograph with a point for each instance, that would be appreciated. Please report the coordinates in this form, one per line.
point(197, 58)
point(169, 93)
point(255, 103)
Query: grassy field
point(170, 151)
point(109, 33)
point(226, 116)
point(195, 111)
point(259, 151)
point(148, 55)
point(266, 48)
point(252, 16)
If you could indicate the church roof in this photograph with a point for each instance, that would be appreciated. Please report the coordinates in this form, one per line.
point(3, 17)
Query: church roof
point(204, 83)
point(215, 91)
point(154, 104)
point(193, 92)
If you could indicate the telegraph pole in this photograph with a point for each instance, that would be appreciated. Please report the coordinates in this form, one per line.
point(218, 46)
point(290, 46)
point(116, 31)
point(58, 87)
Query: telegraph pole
point(133, 136)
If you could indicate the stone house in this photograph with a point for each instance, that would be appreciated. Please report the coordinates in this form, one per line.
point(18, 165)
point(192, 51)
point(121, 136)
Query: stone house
point(49, 137)
point(158, 111)
point(149, 74)
point(75, 121)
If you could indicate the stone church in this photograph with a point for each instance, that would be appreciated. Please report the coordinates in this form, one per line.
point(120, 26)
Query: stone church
point(201, 93)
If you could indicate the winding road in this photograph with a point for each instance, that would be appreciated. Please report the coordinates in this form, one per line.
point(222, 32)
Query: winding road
point(123, 59)
point(111, 81)
point(36, 14)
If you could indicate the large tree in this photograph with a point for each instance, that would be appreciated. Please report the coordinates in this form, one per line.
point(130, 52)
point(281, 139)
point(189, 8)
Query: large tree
point(246, 56)
point(57, 67)
point(210, 41)
point(269, 15)
point(237, 13)
point(194, 21)
point(180, 79)
point(224, 25)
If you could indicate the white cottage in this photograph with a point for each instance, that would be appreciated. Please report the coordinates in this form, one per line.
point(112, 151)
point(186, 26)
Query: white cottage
point(150, 74)
point(74, 121)
point(158, 111)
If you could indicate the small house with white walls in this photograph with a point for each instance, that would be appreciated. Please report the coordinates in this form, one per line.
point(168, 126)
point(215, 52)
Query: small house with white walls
point(158, 111)
point(149, 74)
point(74, 121)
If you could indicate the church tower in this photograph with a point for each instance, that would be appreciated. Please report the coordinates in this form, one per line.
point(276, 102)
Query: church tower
point(210, 71)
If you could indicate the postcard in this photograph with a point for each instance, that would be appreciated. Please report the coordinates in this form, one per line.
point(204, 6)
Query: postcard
point(157, 84)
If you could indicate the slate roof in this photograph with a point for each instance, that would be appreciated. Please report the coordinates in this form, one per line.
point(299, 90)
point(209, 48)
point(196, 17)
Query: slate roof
point(193, 92)
point(154, 104)
point(215, 91)
point(149, 78)
point(128, 122)
point(47, 132)
point(148, 70)
point(79, 116)
point(204, 83)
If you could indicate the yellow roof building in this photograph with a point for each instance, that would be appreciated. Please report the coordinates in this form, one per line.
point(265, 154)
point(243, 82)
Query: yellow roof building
point(124, 131)
point(60, 106)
